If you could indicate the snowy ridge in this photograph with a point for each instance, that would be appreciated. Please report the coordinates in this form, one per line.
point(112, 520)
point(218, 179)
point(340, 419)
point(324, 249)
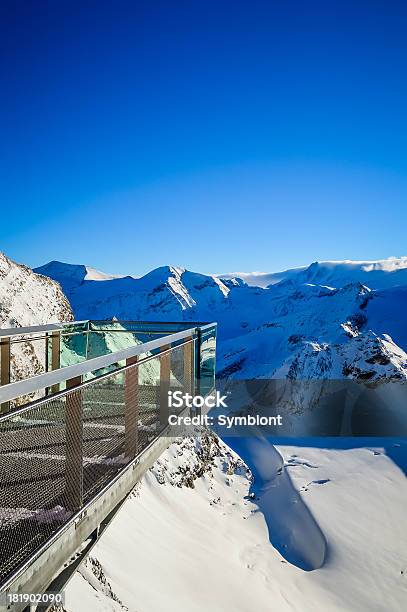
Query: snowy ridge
point(71, 275)
point(262, 279)
point(28, 299)
point(377, 274)
point(165, 293)
point(96, 275)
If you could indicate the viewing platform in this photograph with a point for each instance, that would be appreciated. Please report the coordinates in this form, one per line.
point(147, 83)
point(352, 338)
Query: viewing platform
point(81, 429)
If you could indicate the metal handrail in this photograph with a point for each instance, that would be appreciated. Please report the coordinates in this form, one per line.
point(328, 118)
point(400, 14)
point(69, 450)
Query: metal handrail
point(207, 325)
point(83, 332)
point(34, 329)
point(42, 381)
point(141, 322)
point(59, 327)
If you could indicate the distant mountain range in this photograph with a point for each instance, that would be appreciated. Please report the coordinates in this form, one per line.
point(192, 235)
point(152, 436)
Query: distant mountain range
point(376, 274)
point(330, 319)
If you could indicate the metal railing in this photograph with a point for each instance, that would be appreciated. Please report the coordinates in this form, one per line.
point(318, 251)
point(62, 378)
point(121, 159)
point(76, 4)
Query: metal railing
point(59, 452)
point(28, 351)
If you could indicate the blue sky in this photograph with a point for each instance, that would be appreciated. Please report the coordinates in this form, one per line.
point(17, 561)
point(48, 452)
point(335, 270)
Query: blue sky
point(216, 135)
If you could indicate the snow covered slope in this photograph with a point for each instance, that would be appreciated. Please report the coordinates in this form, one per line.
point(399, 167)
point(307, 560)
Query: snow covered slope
point(318, 332)
point(28, 299)
point(198, 533)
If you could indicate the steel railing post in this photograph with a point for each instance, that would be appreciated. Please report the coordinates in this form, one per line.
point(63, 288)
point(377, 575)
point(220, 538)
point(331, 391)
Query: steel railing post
point(74, 445)
point(198, 362)
point(55, 356)
point(188, 365)
point(5, 368)
point(165, 371)
point(131, 408)
point(87, 334)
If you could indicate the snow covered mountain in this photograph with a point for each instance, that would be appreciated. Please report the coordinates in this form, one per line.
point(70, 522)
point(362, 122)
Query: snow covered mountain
point(26, 298)
point(323, 321)
point(376, 274)
point(163, 294)
point(319, 332)
point(69, 275)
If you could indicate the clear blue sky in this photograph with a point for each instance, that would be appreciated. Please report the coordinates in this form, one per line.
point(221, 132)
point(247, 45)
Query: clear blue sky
point(216, 135)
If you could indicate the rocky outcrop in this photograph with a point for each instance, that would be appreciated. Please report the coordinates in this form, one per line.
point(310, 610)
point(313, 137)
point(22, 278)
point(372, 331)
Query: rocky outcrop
point(26, 299)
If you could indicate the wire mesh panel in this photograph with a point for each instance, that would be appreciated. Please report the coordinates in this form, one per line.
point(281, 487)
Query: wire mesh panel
point(32, 477)
point(57, 455)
